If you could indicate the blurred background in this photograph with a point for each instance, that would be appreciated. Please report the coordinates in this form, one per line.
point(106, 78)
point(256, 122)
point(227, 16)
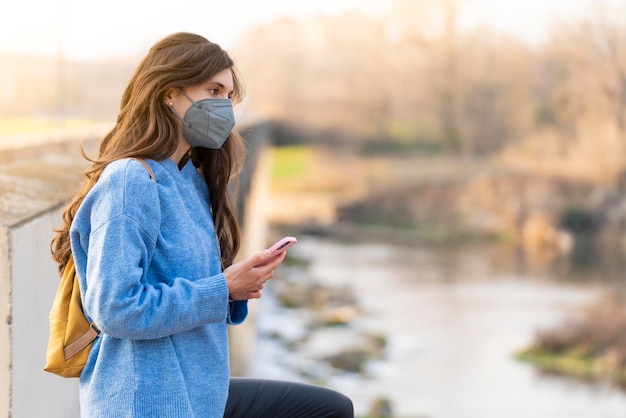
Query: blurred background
point(455, 171)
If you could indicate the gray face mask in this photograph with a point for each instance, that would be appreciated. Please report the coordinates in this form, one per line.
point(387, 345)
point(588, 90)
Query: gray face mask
point(207, 123)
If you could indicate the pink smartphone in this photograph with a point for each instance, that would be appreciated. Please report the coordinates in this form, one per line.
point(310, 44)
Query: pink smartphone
point(280, 246)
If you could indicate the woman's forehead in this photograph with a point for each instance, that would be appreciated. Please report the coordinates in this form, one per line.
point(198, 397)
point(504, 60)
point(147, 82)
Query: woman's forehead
point(224, 78)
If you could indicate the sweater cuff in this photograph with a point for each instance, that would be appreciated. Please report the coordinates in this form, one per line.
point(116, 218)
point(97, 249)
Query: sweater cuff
point(211, 298)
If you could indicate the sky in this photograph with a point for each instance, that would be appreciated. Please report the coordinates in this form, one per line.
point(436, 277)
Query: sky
point(90, 30)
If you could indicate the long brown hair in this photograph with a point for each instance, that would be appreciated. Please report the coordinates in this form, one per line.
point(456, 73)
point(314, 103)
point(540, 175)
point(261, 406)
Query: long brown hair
point(145, 128)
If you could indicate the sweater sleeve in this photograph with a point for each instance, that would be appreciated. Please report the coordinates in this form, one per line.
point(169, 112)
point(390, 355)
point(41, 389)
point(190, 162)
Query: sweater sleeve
point(118, 296)
point(125, 306)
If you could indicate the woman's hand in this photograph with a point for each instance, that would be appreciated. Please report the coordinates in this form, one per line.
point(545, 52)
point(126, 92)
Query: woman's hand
point(245, 281)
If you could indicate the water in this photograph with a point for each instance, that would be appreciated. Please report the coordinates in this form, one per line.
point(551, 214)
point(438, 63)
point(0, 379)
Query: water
point(453, 321)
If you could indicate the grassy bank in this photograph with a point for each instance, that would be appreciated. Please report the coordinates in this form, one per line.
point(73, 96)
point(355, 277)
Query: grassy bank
point(399, 198)
point(591, 347)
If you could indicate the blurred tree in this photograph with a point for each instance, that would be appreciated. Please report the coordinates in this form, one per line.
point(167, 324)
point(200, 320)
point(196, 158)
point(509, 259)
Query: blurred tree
point(407, 77)
point(327, 73)
point(273, 62)
point(31, 86)
point(495, 102)
point(92, 89)
point(479, 84)
point(448, 85)
point(582, 92)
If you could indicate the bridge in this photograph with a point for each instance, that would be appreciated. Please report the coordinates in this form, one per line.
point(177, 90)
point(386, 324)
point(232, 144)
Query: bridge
point(35, 182)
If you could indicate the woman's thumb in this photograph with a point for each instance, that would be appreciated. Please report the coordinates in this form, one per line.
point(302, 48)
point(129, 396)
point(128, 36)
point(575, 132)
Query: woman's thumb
point(258, 259)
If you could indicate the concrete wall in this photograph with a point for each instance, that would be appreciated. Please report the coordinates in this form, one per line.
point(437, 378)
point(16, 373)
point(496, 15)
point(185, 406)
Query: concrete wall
point(252, 208)
point(32, 192)
point(35, 393)
point(34, 184)
point(5, 324)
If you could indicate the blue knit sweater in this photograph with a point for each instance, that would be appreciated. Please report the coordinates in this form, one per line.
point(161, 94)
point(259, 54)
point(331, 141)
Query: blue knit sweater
point(148, 263)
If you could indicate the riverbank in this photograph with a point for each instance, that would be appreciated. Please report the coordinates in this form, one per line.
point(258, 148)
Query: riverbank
point(547, 228)
point(590, 346)
point(450, 323)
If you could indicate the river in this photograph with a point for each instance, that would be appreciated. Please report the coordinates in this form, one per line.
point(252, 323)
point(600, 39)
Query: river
point(453, 321)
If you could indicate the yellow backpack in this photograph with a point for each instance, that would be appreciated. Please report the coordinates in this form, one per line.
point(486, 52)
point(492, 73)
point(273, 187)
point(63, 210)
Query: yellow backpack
point(71, 335)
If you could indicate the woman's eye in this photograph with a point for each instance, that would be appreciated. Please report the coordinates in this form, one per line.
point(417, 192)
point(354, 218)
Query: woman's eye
point(214, 92)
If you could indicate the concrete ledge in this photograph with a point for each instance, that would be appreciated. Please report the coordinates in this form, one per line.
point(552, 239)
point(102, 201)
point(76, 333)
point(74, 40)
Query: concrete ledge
point(34, 187)
point(5, 325)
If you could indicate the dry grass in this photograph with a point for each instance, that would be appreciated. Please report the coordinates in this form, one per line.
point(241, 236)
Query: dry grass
point(592, 346)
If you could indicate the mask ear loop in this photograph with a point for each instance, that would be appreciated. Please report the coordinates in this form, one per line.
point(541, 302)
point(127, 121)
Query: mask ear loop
point(184, 122)
point(186, 157)
point(188, 98)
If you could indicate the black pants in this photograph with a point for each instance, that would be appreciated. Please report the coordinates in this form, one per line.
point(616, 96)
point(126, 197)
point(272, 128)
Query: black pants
point(256, 398)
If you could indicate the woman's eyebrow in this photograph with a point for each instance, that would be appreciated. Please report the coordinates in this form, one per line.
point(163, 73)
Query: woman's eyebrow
point(220, 85)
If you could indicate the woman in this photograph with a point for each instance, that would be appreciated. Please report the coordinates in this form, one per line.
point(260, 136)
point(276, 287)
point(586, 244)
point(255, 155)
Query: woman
point(155, 258)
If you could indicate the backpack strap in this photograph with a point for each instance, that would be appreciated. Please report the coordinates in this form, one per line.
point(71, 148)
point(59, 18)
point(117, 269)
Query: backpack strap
point(145, 164)
point(81, 342)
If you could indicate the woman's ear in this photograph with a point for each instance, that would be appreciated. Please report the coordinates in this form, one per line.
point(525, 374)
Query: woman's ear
point(169, 95)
